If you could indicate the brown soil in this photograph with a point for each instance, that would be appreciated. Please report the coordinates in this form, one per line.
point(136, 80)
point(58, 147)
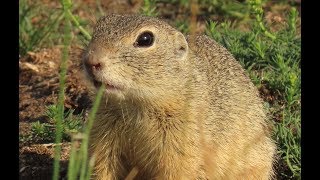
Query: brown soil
point(38, 88)
point(36, 161)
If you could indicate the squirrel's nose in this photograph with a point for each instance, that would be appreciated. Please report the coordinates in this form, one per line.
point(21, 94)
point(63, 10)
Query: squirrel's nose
point(96, 66)
point(92, 64)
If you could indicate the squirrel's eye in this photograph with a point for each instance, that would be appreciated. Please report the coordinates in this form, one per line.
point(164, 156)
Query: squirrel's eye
point(145, 39)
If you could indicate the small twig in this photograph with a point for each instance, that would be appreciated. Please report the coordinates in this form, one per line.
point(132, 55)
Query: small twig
point(133, 173)
point(51, 144)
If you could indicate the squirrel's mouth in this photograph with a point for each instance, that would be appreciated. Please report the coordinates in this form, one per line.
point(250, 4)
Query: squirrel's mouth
point(108, 86)
point(96, 83)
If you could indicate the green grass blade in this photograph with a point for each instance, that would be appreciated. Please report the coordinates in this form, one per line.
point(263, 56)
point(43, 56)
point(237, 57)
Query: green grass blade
point(85, 142)
point(63, 72)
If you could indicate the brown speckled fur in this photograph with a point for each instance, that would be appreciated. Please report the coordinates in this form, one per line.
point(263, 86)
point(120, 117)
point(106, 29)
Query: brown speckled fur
point(186, 109)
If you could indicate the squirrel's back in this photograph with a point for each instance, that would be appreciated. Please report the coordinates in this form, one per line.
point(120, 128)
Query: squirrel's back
point(238, 127)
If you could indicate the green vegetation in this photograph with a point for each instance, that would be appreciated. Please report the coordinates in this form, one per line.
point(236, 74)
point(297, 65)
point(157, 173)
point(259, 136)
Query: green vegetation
point(38, 26)
point(78, 159)
point(71, 123)
point(45, 132)
point(62, 78)
point(149, 8)
point(42, 131)
point(271, 59)
point(78, 163)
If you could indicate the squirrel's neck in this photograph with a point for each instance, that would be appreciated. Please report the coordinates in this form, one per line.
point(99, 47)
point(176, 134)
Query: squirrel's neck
point(142, 109)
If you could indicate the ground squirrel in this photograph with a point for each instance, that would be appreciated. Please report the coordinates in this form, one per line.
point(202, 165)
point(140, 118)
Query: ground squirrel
point(175, 107)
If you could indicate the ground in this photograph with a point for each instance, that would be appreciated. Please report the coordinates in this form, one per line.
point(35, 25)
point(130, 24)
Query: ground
point(38, 88)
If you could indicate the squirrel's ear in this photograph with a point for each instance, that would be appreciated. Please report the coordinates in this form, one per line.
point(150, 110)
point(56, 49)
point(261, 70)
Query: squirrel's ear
point(181, 45)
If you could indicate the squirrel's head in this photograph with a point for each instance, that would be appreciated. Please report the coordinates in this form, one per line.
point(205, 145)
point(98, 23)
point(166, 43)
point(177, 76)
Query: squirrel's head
point(137, 56)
